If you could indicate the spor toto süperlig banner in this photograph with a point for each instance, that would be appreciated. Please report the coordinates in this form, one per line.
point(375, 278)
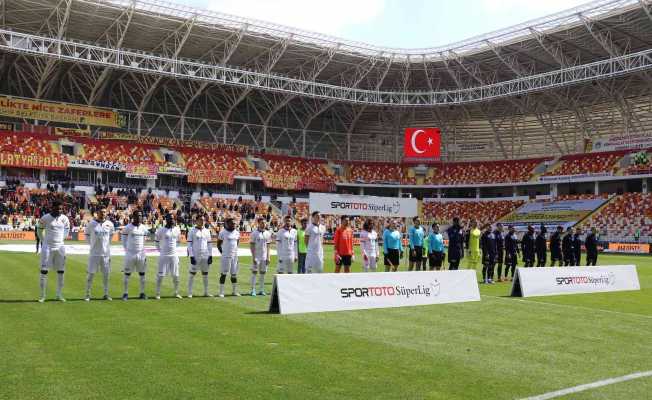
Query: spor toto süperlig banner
point(550, 281)
point(372, 206)
point(305, 293)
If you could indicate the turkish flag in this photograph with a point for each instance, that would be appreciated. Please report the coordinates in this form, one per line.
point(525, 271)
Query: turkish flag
point(422, 143)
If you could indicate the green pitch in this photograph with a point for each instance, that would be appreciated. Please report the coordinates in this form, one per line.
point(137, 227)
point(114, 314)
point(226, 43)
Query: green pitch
point(499, 348)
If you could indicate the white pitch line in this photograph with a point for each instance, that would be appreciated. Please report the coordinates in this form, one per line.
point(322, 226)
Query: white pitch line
point(588, 386)
point(545, 303)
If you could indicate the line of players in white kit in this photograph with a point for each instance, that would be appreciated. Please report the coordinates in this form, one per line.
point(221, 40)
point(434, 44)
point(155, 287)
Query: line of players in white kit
point(55, 229)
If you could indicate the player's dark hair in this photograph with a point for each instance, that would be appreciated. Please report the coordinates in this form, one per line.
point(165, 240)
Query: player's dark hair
point(314, 213)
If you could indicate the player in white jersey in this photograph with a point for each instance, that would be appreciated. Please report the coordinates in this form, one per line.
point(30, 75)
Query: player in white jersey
point(315, 242)
point(227, 242)
point(369, 246)
point(98, 234)
point(259, 244)
point(286, 247)
point(133, 241)
point(55, 228)
point(200, 251)
point(167, 238)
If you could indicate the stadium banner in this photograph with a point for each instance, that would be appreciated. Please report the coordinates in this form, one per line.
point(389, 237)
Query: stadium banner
point(422, 143)
point(371, 206)
point(563, 213)
point(59, 112)
point(172, 170)
point(17, 235)
point(325, 185)
point(6, 126)
point(171, 142)
point(564, 178)
point(96, 164)
point(72, 132)
point(210, 176)
point(21, 160)
point(629, 248)
point(307, 293)
point(282, 182)
point(623, 142)
point(141, 171)
point(551, 281)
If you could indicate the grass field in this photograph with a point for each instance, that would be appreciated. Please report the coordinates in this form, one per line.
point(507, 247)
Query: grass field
point(499, 348)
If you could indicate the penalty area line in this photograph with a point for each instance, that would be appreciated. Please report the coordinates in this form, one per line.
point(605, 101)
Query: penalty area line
point(589, 386)
point(545, 303)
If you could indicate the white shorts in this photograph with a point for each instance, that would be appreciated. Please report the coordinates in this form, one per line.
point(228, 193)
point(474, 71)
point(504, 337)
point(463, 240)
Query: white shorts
point(135, 262)
point(96, 263)
point(314, 264)
point(284, 266)
point(370, 262)
point(168, 265)
point(229, 265)
point(53, 259)
point(201, 264)
point(259, 266)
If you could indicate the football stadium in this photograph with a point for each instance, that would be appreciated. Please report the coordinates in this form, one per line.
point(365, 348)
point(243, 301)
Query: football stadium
point(195, 204)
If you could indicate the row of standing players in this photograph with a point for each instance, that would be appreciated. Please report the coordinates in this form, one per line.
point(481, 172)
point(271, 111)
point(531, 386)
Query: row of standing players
point(99, 232)
point(495, 248)
point(491, 248)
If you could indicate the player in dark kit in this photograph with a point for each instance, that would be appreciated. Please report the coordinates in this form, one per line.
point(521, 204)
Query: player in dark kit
point(528, 247)
point(500, 249)
point(591, 244)
point(577, 247)
point(455, 244)
point(567, 247)
point(555, 247)
point(540, 247)
point(511, 251)
point(489, 250)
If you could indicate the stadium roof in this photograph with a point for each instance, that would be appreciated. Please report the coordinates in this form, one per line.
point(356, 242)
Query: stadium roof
point(537, 87)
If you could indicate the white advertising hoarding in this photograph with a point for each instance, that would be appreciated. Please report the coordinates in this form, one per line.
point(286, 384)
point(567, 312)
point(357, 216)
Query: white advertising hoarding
point(306, 293)
point(371, 206)
point(550, 281)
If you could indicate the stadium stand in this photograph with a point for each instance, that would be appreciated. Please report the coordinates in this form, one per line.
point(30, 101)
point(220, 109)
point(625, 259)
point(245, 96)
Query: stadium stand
point(623, 217)
point(483, 211)
point(484, 172)
point(587, 163)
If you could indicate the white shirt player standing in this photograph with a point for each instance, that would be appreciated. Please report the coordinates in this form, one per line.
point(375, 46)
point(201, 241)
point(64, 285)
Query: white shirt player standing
point(227, 242)
point(259, 244)
point(98, 234)
point(315, 244)
point(286, 247)
point(167, 238)
point(369, 246)
point(55, 228)
point(133, 242)
point(200, 251)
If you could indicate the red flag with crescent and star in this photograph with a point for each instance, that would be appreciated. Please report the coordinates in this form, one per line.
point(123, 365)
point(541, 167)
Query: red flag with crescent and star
point(422, 143)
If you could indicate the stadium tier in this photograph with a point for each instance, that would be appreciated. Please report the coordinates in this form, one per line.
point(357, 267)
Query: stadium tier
point(625, 217)
point(589, 164)
point(484, 212)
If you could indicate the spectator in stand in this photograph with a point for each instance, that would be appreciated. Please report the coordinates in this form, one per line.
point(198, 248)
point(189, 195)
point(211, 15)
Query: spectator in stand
point(455, 244)
point(591, 244)
point(343, 246)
